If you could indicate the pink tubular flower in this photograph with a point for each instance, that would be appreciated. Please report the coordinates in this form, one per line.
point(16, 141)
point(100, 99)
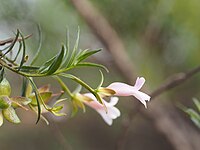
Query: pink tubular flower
point(112, 111)
point(122, 89)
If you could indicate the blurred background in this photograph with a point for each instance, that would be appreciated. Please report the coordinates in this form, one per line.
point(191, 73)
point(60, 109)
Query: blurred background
point(154, 39)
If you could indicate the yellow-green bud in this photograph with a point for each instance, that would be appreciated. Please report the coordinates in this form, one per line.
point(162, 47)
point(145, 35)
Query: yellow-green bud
point(4, 102)
point(5, 88)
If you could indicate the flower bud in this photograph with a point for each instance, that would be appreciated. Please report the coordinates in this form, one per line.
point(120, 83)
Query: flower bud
point(4, 102)
point(5, 88)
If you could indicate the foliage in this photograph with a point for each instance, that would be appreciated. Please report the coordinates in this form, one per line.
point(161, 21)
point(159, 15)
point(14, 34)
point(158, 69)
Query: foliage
point(194, 114)
point(56, 67)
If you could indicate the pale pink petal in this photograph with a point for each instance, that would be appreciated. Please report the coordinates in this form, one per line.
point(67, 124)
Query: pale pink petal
point(112, 112)
point(121, 89)
point(139, 83)
point(105, 117)
point(113, 101)
point(142, 97)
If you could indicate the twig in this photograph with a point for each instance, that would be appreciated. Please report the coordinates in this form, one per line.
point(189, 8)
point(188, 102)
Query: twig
point(174, 81)
point(10, 40)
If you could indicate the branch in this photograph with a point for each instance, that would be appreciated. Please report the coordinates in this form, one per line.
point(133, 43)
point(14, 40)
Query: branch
point(173, 81)
point(10, 40)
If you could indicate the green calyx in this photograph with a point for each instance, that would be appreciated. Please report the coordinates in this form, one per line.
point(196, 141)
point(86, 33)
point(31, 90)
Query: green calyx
point(5, 88)
point(4, 102)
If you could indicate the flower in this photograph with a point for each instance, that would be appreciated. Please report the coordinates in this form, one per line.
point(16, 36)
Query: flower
point(122, 89)
point(111, 113)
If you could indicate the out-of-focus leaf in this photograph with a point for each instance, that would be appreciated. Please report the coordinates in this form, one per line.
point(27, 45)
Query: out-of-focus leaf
point(197, 103)
point(1, 119)
point(44, 88)
point(73, 54)
point(194, 116)
point(10, 115)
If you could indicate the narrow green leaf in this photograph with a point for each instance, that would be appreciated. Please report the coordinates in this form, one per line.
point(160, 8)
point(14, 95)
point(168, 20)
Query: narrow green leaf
point(10, 115)
point(18, 52)
point(23, 52)
point(102, 79)
point(197, 103)
point(89, 64)
point(1, 74)
point(1, 119)
point(37, 99)
point(194, 116)
point(28, 69)
point(85, 54)
point(12, 44)
point(73, 54)
point(39, 46)
point(46, 65)
point(57, 62)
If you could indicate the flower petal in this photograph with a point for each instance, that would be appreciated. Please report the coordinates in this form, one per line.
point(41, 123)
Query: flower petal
point(105, 117)
point(113, 101)
point(121, 89)
point(139, 83)
point(142, 97)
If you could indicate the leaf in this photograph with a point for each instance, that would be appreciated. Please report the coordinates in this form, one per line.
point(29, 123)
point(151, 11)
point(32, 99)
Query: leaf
point(197, 103)
point(1, 74)
point(23, 52)
point(28, 69)
point(44, 88)
point(11, 45)
point(194, 116)
point(10, 115)
point(39, 46)
point(56, 63)
point(89, 64)
point(73, 54)
point(102, 79)
point(85, 54)
point(1, 119)
point(46, 65)
point(37, 99)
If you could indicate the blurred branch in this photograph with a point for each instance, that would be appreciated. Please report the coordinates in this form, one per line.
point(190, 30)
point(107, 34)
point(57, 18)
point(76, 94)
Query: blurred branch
point(169, 126)
point(172, 82)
